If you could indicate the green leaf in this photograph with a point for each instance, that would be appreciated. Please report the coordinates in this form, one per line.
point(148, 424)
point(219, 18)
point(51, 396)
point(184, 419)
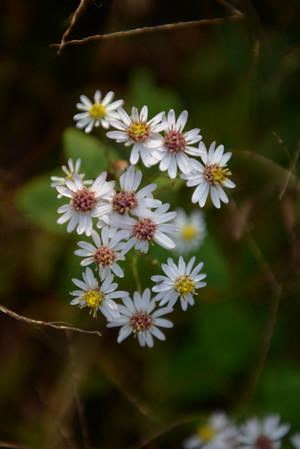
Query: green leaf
point(94, 154)
point(38, 202)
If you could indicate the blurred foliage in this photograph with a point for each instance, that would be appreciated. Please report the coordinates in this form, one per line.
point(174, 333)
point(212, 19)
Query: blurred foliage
point(239, 83)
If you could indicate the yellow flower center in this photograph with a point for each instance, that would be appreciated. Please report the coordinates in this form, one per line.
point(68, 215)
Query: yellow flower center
point(94, 299)
point(184, 285)
point(215, 174)
point(188, 232)
point(138, 131)
point(97, 111)
point(206, 432)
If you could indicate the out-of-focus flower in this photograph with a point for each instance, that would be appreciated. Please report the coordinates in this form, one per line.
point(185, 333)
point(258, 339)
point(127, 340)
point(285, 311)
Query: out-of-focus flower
point(138, 131)
point(97, 297)
point(97, 113)
point(85, 203)
point(191, 230)
point(217, 433)
point(176, 145)
point(181, 281)
point(210, 177)
point(261, 434)
point(295, 440)
point(137, 316)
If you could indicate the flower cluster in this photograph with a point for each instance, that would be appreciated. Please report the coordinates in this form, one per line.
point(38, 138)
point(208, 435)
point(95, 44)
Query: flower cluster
point(220, 432)
point(120, 214)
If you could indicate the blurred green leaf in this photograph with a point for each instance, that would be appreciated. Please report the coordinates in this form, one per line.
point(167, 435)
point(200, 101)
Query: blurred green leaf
point(38, 202)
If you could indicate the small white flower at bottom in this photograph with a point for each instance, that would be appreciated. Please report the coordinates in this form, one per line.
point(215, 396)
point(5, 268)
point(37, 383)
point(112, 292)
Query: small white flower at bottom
point(97, 297)
point(267, 433)
point(138, 317)
point(210, 177)
point(181, 282)
point(99, 112)
point(191, 231)
point(217, 433)
point(295, 440)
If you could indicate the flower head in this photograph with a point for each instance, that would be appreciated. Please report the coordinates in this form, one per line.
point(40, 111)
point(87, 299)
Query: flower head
point(59, 181)
point(106, 252)
point(210, 177)
point(181, 281)
point(295, 440)
point(85, 203)
point(176, 144)
point(150, 227)
point(138, 131)
point(137, 316)
point(264, 434)
point(191, 231)
point(99, 112)
point(217, 433)
point(98, 297)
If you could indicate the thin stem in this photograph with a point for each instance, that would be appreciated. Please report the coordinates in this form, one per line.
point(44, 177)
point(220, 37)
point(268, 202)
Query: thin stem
point(135, 273)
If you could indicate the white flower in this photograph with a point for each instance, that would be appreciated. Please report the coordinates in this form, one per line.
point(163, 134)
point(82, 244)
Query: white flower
point(218, 433)
point(295, 440)
point(267, 433)
point(138, 317)
point(138, 131)
point(128, 199)
point(149, 228)
point(85, 203)
point(176, 144)
point(97, 297)
point(181, 281)
point(58, 181)
point(210, 177)
point(191, 231)
point(99, 112)
point(105, 253)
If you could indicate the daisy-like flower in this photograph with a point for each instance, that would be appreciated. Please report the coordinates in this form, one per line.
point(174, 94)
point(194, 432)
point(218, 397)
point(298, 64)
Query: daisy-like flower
point(59, 181)
point(217, 433)
point(138, 317)
point(128, 200)
point(149, 228)
point(97, 297)
point(99, 112)
point(181, 281)
point(295, 440)
point(105, 253)
point(264, 434)
point(84, 202)
point(138, 131)
point(176, 145)
point(191, 231)
point(210, 177)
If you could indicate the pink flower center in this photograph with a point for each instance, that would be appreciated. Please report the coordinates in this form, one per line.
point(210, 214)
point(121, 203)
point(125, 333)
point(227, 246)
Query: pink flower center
point(263, 442)
point(104, 256)
point(174, 141)
point(84, 201)
point(141, 322)
point(144, 229)
point(215, 174)
point(138, 131)
point(124, 202)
